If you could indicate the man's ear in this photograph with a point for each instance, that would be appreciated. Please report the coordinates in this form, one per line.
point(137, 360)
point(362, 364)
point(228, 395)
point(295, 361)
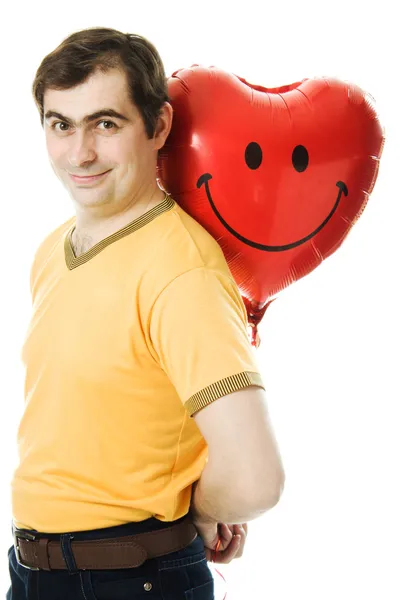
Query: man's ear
point(163, 125)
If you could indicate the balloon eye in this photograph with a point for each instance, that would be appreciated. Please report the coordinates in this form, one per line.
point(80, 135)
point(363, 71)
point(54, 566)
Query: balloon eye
point(253, 155)
point(300, 158)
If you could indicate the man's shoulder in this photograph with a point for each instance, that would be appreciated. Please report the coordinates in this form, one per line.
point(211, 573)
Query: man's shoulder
point(55, 234)
point(50, 241)
point(184, 244)
point(182, 255)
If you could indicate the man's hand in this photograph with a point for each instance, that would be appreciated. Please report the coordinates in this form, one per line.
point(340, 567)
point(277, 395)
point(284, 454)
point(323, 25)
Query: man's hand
point(240, 530)
point(232, 537)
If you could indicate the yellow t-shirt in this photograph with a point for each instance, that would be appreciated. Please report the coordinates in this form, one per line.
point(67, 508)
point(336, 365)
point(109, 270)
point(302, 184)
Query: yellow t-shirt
point(125, 344)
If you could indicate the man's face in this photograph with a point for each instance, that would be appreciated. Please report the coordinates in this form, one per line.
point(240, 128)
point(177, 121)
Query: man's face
point(106, 143)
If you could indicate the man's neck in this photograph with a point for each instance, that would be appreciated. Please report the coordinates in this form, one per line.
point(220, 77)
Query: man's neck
point(88, 233)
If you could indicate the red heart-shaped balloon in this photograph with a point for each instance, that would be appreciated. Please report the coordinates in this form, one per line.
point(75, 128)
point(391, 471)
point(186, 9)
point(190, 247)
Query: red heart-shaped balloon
point(277, 176)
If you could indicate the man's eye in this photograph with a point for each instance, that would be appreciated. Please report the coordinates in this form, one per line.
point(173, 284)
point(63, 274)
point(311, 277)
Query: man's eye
point(110, 123)
point(54, 125)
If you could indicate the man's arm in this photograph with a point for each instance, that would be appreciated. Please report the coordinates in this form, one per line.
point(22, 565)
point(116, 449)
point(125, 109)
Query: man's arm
point(244, 476)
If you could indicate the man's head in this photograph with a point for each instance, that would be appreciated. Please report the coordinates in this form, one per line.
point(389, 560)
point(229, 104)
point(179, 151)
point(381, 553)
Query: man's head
point(89, 72)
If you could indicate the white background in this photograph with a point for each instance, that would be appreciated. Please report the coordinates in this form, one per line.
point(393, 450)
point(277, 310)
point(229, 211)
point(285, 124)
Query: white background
point(330, 342)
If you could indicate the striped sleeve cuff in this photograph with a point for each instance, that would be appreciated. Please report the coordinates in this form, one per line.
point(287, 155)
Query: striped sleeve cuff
point(221, 388)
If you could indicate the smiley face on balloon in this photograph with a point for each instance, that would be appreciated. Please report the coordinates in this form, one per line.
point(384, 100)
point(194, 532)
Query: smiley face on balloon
point(278, 176)
point(204, 179)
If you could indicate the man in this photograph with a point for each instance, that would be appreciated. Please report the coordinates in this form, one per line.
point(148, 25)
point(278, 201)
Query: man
point(140, 376)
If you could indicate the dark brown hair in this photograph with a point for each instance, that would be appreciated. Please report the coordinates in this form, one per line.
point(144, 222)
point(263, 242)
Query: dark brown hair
point(83, 52)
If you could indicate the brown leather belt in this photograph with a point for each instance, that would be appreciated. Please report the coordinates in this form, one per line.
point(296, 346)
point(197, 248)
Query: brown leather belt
point(36, 553)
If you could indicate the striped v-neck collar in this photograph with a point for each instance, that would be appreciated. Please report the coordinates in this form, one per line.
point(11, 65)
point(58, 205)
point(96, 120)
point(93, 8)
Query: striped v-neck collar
point(72, 261)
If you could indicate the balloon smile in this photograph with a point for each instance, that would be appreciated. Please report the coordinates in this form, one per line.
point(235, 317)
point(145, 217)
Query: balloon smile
point(204, 179)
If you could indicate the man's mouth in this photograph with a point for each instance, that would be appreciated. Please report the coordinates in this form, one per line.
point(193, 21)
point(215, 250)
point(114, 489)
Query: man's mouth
point(83, 178)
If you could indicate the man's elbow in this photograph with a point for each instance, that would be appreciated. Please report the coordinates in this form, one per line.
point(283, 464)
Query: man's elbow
point(270, 494)
point(277, 492)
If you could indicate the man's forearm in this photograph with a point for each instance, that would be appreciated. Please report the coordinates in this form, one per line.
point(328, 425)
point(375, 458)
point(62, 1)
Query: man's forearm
point(215, 501)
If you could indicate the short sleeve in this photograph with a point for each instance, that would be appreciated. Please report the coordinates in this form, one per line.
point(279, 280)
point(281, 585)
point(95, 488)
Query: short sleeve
point(198, 330)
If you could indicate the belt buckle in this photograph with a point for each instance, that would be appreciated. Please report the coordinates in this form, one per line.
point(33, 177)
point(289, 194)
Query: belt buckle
point(27, 537)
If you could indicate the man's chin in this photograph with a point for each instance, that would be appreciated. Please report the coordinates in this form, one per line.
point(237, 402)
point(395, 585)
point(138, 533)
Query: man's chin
point(84, 198)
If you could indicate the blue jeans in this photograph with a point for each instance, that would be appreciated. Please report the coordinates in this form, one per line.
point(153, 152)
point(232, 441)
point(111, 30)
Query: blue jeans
point(182, 575)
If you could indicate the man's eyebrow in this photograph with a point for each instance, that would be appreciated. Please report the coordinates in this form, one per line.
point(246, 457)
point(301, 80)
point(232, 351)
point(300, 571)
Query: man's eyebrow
point(104, 112)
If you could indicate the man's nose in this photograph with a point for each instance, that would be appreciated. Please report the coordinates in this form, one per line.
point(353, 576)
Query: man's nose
point(82, 149)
